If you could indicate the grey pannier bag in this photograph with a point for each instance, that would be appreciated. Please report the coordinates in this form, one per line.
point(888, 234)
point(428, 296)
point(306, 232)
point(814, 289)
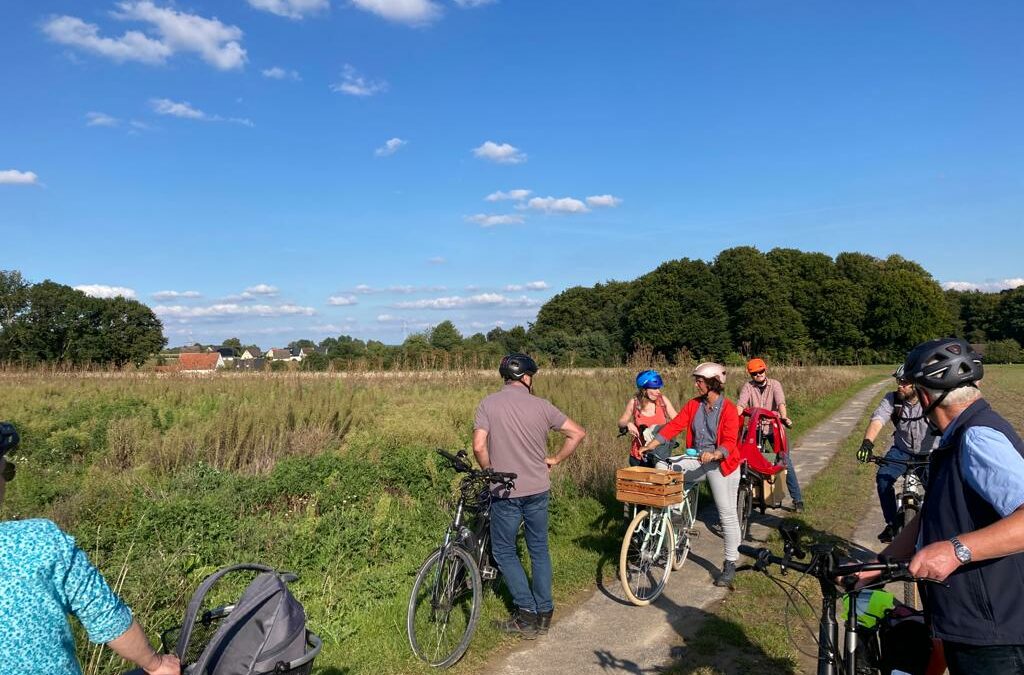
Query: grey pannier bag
point(264, 632)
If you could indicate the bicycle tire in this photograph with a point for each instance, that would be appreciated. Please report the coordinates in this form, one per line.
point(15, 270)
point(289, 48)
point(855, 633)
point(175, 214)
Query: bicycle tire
point(910, 587)
point(460, 595)
point(646, 557)
point(744, 506)
point(684, 542)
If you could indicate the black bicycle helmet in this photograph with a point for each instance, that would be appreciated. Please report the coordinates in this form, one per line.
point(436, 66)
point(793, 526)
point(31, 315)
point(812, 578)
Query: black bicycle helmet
point(8, 438)
point(943, 364)
point(514, 366)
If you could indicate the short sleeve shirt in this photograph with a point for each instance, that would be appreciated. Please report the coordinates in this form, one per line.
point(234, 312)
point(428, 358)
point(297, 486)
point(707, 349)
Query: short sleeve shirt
point(517, 425)
point(992, 467)
point(770, 396)
point(911, 435)
point(44, 577)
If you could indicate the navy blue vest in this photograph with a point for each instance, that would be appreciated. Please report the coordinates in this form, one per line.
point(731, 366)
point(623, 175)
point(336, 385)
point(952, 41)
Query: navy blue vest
point(984, 604)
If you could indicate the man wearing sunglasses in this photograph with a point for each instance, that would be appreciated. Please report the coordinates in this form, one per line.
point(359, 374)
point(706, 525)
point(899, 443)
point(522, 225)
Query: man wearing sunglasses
point(911, 439)
point(763, 392)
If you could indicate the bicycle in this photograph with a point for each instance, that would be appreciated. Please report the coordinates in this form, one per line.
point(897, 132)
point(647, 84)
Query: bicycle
point(755, 469)
point(830, 570)
point(653, 545)
point(909, 497)
point(447, 594)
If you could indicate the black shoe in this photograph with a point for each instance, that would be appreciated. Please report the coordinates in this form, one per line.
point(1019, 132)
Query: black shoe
point(886, 535)
point(798, 506)
point(728, 574)
point(521, 622)
point(544, 622)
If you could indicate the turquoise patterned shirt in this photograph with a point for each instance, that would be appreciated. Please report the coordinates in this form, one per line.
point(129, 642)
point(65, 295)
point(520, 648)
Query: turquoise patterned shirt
point(44, 577)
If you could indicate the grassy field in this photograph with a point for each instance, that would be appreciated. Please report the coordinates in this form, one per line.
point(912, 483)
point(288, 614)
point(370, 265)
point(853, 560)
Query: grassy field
point(164, 479)
point(745, 633)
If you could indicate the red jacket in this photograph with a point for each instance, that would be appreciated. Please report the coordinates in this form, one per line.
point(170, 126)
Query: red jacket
point(728, 430)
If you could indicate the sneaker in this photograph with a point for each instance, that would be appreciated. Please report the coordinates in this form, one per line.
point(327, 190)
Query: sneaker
point(798, 506)
point(728, 574)
point(521, 622)
point(544, 622)
point(886, 535)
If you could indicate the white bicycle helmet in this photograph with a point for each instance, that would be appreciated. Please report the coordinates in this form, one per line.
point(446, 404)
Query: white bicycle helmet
point(710, 371)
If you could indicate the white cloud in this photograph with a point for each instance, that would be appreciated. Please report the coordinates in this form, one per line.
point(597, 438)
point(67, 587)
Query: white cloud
point(363, 289)
point(603, 201)
point(98, 119)
point(461, 302)
point(560, 205)
point(279, 73)
point(102, 291)
point(342, 300)
point(985, 286)
point(292, 9)
point(490, 220)
point(437, 260)
point(502, 153)
point(165, 106)
point(174, 295)
point(532, 286)
point(265, 290)
point(15, 177)
point(412, 12)
point(227, 310)
point(390, 147)
point(517, 195)
point(387, 318)
point(216, 43)
point(354, 84)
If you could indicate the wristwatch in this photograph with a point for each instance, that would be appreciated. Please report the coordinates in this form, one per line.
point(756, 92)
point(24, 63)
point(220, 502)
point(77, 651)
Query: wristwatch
point(963, 554)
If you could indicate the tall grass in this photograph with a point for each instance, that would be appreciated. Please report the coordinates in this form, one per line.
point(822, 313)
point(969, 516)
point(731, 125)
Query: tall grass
point(330, 476)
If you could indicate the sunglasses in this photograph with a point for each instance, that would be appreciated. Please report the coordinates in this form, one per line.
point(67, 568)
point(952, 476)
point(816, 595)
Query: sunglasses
point(9, 471)
point(760, 372)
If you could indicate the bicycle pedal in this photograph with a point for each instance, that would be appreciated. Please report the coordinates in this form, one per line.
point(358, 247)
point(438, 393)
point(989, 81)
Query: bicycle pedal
point(489, 573)
point(693, 532)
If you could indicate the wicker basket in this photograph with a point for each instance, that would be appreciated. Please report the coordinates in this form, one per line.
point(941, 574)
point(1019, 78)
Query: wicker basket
point(650, 487)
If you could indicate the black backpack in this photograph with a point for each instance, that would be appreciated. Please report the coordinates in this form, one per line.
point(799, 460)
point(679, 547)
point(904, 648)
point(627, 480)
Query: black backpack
point(263, 632)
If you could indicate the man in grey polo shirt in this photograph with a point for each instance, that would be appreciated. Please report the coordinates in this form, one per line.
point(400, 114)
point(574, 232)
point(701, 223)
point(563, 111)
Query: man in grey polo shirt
point(510, 433)
point(912, 439)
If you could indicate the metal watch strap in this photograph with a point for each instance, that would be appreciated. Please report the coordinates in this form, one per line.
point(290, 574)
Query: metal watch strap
point(963, 554)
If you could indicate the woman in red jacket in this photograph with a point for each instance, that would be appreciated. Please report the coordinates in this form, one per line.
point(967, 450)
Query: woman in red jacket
point(712, 427)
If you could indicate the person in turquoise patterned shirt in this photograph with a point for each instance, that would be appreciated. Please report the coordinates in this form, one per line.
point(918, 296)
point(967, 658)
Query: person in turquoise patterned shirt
point(44, 577)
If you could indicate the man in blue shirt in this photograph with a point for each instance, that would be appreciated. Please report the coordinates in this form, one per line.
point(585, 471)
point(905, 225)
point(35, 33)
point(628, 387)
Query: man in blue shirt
point(970, 533)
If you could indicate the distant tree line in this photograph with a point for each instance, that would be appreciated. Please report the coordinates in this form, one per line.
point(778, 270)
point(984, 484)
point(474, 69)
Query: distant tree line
point(53, 323)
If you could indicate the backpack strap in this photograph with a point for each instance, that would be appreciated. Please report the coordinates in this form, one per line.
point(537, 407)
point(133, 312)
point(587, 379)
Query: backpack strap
point(196, 602)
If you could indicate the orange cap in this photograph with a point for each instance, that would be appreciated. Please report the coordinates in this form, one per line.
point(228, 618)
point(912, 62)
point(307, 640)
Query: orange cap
point(754, 365)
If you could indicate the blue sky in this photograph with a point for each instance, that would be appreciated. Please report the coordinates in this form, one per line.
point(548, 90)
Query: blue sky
point(276, 169)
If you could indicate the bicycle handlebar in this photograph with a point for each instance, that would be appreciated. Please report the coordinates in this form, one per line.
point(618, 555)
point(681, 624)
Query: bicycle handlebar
point(461, 464)
point(908, 463)
point(891, 570)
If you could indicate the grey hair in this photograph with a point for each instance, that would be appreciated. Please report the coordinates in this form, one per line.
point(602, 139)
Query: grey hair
point(956, 397)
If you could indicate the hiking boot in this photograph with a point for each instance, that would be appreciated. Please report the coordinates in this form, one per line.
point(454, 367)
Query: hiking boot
point(544, 622)
point(798, 506)
point(728, 574)
point(521, 622)
point(886, 535)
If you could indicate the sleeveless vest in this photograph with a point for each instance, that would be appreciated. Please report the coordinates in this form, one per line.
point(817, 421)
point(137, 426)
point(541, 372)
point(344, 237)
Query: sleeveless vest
point(984, 604)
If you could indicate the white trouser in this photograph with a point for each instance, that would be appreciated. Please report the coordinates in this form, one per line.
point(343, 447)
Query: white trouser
point(723, 489)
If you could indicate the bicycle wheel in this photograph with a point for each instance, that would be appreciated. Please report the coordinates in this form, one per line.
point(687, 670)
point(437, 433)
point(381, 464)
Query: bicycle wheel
point(444, 606)
point(645, 560)
point(910, 587)
point(684, 531)
point(744, 505)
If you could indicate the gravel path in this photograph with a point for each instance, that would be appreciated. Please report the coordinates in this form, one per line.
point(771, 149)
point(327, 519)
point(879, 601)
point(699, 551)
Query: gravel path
point(606, 634)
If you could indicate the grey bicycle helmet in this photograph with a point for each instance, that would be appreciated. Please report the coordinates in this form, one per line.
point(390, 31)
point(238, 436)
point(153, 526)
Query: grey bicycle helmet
point(943, 364)
point(8, 438)
point(898, 373)
point(514, 366)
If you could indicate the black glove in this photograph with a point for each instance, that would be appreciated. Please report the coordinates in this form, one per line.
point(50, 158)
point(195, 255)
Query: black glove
point(865, 450)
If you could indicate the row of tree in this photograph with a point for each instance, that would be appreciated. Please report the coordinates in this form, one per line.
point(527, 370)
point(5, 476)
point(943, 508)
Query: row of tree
point(53, 323)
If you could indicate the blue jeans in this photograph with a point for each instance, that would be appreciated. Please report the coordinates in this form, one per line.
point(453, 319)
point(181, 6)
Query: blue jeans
point(988, 660)
point(792, 484)
point(506, 514)
point(886, 480)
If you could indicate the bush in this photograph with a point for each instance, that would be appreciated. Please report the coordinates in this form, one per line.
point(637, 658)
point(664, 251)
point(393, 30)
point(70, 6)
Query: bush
point(1003, 351)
